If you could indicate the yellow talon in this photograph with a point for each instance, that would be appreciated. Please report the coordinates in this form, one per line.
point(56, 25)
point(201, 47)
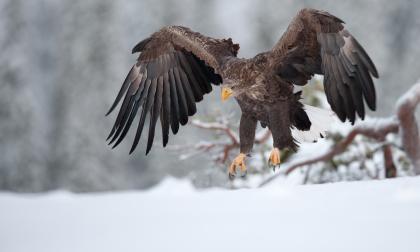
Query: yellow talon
point(274, 159)
point(239, 161)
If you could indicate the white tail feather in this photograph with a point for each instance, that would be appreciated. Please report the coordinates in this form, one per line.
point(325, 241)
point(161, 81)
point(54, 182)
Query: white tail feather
point(321, 120)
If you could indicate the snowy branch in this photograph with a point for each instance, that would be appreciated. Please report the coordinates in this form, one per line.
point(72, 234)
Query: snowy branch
point(378, 129)
point(406, 107)
point(226, 147)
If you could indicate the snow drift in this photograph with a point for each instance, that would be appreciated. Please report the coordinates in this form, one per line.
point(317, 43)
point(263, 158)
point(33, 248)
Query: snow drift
point(356, 216)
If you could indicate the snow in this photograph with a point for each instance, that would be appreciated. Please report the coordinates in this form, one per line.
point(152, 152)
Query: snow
point(174, 216)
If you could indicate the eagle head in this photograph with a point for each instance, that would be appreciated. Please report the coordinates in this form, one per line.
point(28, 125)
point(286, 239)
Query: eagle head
point(230, 88)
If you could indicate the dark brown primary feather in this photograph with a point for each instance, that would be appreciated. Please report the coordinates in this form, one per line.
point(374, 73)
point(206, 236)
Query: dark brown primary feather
point(317, 43)
point(176, 67)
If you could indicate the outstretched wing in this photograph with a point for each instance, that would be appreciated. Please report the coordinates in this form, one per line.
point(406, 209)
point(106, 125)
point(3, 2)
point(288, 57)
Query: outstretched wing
point(317, 43)
point(175, 69)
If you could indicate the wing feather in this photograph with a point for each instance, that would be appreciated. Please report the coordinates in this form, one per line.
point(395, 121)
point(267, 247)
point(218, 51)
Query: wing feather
point(317, 43)
point(188, 93)
point(123, 110)
point(195, 85)
point(174, 103)
point(146, 108)
point(134, 72)
point(155, 113)
point(205, 85)
point(182, 100)
point(166, 109)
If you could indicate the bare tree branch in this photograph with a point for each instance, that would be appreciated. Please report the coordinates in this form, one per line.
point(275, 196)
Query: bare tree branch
point(217, 126)
point(390, 169)
point(406, 107)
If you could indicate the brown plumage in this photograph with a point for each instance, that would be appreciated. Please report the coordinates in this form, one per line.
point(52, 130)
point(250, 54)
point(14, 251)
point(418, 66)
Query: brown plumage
point(177, 66)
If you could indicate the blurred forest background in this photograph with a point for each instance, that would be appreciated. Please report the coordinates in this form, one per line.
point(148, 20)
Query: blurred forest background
point(62, 63)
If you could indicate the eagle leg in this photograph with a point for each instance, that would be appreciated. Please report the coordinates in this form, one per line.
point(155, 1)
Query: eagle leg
point(279, 124)
point(238, 162)
point(274, 159)
point(247, 127)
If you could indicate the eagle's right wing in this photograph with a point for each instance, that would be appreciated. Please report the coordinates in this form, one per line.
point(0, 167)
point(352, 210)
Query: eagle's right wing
point(317, 43)
point(175, 69)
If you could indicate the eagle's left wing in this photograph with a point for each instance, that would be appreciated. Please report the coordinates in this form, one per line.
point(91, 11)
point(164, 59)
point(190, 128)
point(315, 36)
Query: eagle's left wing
point(175, 68)
point(317, 43)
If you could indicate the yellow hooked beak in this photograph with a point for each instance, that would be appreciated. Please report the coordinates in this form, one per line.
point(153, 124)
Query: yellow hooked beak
point(226, 93)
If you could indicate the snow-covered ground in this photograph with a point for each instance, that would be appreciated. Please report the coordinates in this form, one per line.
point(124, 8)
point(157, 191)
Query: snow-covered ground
point(353, 216)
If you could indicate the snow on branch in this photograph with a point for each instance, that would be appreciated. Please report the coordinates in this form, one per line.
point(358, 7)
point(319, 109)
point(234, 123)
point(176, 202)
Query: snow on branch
point(404, 123)
point(377, 130)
